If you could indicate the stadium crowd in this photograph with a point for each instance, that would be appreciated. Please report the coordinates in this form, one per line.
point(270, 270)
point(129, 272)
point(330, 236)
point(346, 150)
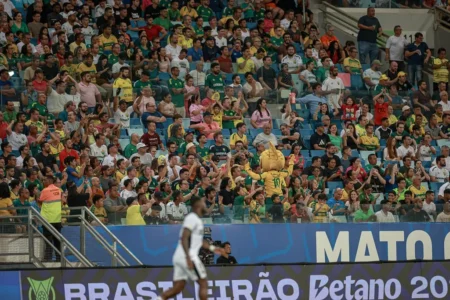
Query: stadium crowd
point(131, 108)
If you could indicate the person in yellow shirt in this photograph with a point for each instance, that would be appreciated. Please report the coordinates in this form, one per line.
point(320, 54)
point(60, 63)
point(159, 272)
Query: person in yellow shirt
point(185, 39)
point(245, 63)
point(189, 10)
point(441, 66)
point(320, 209)
point(351, 64)
point(417, 189)
point(107, 40)
point(88, 66)
point(134, 212)
point(239, 135)
point(122, 86)
point(98, 210)
point(369, 141)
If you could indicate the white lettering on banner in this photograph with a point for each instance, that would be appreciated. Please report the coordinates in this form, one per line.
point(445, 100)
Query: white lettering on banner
point(123, 292)
point(325, 250)
point(391, 238)
point(222, 285)
point(366, 242)
point(74, 291)
point(340, 252)
point(145, 289)
point(246, 292)
point(98, 291)
point(419, 236)
point(351, 289)
point(447, 246)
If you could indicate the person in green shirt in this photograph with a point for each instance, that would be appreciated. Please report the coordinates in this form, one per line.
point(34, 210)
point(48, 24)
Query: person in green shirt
point(202, 151)
point(176, 135)
point(277, 40)
point(323, 72)
point(365, 214)
point(367, 195)
point(215, 81)
point(177, 90)
point(10, 113)
point(204, 11)
point(229, 115)
point(198, 28)
point(163, 20)
point(228, 11)
point(174, 12)
point(114, 56)
point(131, 148)
point(41, 106)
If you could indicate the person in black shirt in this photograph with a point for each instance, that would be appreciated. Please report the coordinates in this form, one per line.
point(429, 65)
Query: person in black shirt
point(219, 149)
point(417, 214)
point(50, 69)
point(123, 17)
point(316, 162)
point(319, 139)
point(154, 218)
point(226, 194)
point(226, 259)
point(276, 210)
point(210, 50)
point(153, 10)
point(135, 11)
point(329, 154)
point(103, 20)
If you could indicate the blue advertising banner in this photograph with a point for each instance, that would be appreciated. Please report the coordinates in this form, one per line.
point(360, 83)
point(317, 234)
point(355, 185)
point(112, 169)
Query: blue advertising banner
point(410, 280)
point(10, 285)
point(289, 243)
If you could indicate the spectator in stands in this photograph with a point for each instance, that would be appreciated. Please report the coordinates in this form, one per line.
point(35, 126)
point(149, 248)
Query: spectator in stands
point(265, 137)
point(395, 49)
point(351, 64)
point(444, 216)
point(417, 54)
point(372, 75)
point(417, 214)
point(208, 127)
point(319, 139)
point(369, 29)
point(384, 215)
point(440, 69)
point(422, 98)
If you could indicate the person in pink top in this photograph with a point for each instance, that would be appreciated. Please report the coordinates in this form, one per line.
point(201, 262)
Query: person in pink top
point(261, 115)
point(208, 127)
point(196, 110)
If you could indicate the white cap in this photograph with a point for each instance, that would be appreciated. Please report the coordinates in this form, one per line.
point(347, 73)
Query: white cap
point(141, 145)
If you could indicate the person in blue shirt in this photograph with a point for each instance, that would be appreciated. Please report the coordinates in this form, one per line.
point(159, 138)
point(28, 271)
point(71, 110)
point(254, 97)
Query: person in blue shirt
point(416, 54)
point(195, 53)
point(313, 100)
point(336, 204)
point(72, 174)
point(152, 115)
point(7, 90)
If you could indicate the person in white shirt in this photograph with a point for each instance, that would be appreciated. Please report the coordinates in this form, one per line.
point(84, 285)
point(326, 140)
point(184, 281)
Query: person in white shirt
point(198, 74)
point(395, 48)
point(176, 209)
point(445, 215)
point(122, 113)
point(98, 149)
point(221, 38)
point(131, 174)
point(384, 215)
point(15, 136)
point(334, 88)
point(113, 156)
point(372, 75)
point(406, 148)
point(364, 110)
point(428, 204)
point(8, 7)
point(444, 101)
point(181, 63)
point(173, 169)
point(288, 17)
point(445, 151)
point(438, 173)
point(128, 190)
point(146, 158)
point(119, 64)
point(58, 98)
point(293, 60)
point(173, 49)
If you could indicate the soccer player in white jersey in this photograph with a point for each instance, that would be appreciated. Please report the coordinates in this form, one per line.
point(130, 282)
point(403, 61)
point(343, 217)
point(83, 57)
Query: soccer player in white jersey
point(186, 263)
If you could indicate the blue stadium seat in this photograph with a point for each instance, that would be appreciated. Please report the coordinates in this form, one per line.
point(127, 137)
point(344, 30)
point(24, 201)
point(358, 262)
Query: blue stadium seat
point(319, 153)
point(17, 82)
point(192, 65)
point(305, 153)
point(340, 68)
point(332, 185)
point(306, 141)
point(123, 133)
point(365, 66)
point(134, 35)
point(276, 67)
point(123, 143)
point(306, 132)
point(255, 131)
point(277, 132)
point(141, 23)
point(357, 82)
point(306, 125)
point(286, 152)
point(226, 133)
point(138, 131)
point(229, 78)
point(135, 123)
point(426, 164)
point(435, 186)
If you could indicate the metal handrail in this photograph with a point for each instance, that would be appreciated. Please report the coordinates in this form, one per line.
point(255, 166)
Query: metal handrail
point(438, 12)
point(34, 214)
point(116, 241)
point(343, 17)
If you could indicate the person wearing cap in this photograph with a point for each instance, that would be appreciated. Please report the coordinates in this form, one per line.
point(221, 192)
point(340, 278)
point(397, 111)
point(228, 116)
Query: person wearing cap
point(113, 156)
point(319, 139)
point(68, 26)
point(403, 85)
point(365, 213)
point(208, 127)
point(188, 139)
point(372, 75)
point(417, 54)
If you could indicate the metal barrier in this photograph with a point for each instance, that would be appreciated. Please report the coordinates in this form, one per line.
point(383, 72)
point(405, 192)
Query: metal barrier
point(26, 229)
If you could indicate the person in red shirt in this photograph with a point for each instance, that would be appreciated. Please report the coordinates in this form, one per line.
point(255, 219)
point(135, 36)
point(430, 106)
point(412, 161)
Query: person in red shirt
point(349, 110)
point(224, 60)
point(381, 107)
point(151, 138)
point(39, 82)
point(3, 126)
point(153, 31)
point(68, 151)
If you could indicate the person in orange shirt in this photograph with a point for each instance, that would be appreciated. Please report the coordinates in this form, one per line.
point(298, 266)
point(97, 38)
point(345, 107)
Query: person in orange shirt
point(328, 37)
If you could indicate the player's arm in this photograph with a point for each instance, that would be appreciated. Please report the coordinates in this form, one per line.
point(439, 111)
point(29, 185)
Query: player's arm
point(212, 248)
